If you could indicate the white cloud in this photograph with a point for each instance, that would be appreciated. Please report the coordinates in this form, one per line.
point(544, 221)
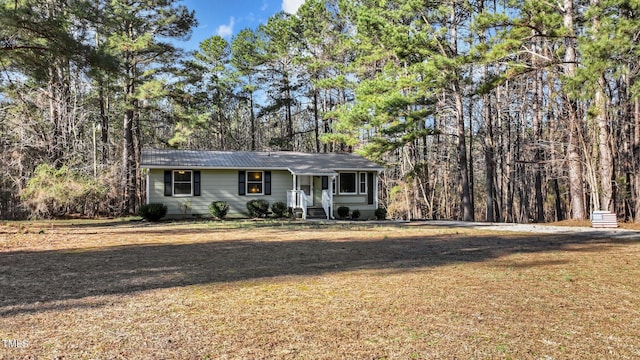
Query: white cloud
point(291, 6)
point(265, 5)
point(226, 30)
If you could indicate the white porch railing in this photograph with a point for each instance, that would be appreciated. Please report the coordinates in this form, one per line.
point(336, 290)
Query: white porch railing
point(327, 202)
point(296, 199)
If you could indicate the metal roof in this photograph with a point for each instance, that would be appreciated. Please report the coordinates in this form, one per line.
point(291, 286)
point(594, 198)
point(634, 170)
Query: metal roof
point(296, 162)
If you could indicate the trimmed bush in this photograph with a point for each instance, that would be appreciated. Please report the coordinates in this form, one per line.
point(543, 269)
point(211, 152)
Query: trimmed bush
point(355, 214)
point(219, 209)
point(343, 212)
point(153, 212)
point(279, 209)
point(381, 213)
point(258, 208)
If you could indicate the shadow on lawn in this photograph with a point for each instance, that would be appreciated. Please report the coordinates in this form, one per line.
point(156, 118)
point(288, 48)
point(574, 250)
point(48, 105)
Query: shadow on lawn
point(30, 281)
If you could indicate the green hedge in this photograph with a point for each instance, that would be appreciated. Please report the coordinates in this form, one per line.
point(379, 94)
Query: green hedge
point(258, 208)
point(153, 212)
point(219, 209)
point(279, 209)
point(343, 212)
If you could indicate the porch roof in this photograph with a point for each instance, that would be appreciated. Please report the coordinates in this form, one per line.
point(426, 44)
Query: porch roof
point(298, 163)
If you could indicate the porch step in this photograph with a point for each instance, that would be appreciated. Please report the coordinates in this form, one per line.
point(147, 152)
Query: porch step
point(316, 213)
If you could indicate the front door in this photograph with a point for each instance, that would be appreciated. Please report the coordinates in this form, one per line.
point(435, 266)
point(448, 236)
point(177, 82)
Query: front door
point(317, 190)
point(305, 183)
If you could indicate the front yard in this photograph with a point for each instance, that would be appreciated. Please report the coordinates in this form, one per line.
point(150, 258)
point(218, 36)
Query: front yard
point(248, 290)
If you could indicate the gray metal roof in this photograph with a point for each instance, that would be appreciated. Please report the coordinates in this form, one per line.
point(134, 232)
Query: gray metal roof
point(296, 162)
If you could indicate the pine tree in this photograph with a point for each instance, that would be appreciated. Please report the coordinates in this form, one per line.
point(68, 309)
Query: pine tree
point(279, 73)
point(247, 59)
point(208, 92)
point(136, 32)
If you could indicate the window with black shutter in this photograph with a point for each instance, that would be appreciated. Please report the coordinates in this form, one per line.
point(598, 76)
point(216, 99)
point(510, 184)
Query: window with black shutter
point(267, 182)
point(196, 183)
point(168, 183)
point(182, 183)
point(242, 182)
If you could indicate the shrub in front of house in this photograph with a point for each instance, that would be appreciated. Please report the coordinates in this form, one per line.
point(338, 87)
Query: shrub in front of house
point(279, 209)
point(219, 209)
point(381, 213)
point(343, 212)
point(258, 208)
point(355, 214)
point(153, 212)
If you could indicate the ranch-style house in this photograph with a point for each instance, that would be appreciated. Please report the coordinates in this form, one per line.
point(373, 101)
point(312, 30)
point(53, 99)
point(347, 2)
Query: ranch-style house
point(312, 184)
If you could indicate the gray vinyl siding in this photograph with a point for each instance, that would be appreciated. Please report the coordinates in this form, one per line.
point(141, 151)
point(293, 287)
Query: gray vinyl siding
point(355, 201)
point(216, 185)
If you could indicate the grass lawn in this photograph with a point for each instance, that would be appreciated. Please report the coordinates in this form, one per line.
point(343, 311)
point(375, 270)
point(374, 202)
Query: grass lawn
point(261, 290)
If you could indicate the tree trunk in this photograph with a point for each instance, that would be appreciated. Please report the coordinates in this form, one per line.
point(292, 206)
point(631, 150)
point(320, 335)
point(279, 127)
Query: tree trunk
point(576, 184)
point(604, 146)
point(490, 162)
point(59, 98)
point(472, 196)
point(316, 118)
point(127, 164)
point(499, 165)
point(128, 152)
point(289, 103)
point(636, 156)
point(136, 180)
point(508, 168)
point(222, 126)
point(465, 193)
point(537, 137)
point(489, 142)
point(521, 180)
point(466, 208)
point(104, 122)
point(253, 121)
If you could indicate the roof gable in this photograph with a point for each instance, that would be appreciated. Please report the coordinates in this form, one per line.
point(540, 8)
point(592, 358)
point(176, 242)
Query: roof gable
point(297, 162)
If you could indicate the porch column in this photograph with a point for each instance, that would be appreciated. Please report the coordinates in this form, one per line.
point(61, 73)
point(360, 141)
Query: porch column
point(295, 181)
point(331, 180)
point(146, 201)
point(375, 187)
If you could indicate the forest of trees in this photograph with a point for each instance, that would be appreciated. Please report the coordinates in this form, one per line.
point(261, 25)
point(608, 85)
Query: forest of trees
point(498, 110)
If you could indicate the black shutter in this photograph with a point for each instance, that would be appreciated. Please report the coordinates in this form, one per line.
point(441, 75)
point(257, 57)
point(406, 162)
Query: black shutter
point(370, 188)
point(167, 183)
point(196, 183)
point(325, 183)
point(242, 183)
point(267, 182)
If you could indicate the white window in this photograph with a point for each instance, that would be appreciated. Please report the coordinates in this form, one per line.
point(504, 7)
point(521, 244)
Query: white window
point(347, 183)
point(255, 183)
point(333, 185)
point(363, 183)
point(182, 180)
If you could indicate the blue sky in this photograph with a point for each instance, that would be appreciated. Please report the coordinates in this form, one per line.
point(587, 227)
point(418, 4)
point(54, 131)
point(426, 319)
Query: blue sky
point(227, 17)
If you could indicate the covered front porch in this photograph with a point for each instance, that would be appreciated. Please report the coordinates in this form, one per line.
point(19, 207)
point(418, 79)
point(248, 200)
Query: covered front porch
point(312, 194)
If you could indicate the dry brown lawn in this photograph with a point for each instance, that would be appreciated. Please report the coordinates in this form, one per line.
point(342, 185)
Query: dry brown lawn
point(261, 290)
